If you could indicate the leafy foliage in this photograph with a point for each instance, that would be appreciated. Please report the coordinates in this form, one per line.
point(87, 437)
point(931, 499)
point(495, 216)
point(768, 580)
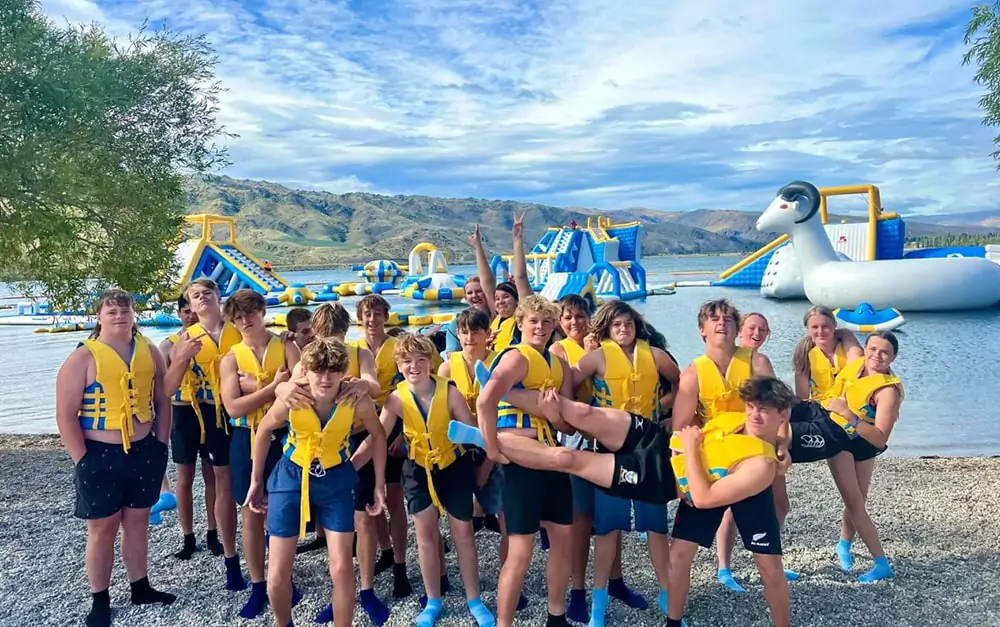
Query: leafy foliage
point(983, 38)
point(96, 138)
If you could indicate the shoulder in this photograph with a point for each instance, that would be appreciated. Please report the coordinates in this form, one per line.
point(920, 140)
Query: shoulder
point(444, 370)
point(759, 359)
point(689, 377)
point(558, 349)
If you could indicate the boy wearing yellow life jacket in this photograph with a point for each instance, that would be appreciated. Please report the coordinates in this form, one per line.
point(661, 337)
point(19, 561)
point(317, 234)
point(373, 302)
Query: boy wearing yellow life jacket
point(625, 374)
point(299, 323)
point(865, 401)
point(439, 477)
point(315, 478)
point(114, 420)
point(249, 375)
point(181, 384)
point(373, 313)
point(732, 469)
point(207, 431)
point(530, 495)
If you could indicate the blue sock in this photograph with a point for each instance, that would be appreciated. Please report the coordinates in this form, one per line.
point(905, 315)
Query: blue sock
point(844, 555)
point(296, 595)
point(631, 598)
point(726, 579)
point(155, 518)
point(482, 615)
point(577, 610)
point(662, 601)
point(257, 603)
point(326, 616)
point(234, 576)
point(882, 570)
point(167, 502)
point(598, 606)
point(461, 433)
point(445, 589)
point(791, 575)
point(644, 537)
point(429, 616)
point(374, 607)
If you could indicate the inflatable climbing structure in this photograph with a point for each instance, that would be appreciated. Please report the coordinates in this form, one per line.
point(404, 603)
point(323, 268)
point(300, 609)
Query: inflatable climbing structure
point(223, 260)
point(599, 261)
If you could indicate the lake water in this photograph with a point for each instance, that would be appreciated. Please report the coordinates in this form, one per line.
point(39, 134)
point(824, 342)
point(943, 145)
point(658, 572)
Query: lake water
point(946, 360)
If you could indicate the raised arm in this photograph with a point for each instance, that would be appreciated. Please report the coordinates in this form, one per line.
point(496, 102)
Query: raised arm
point(70, 384)
point(233, 400)
point(178, 359)
point(520, 267)
point(486, 278)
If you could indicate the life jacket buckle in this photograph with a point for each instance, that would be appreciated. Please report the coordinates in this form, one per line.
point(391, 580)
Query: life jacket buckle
point(316, 469)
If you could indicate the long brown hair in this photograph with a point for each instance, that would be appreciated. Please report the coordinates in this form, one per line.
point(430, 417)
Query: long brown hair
point(800, 358)
point(601, 325)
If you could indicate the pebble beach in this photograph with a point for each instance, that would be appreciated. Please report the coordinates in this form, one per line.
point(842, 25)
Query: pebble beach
point(937, 519)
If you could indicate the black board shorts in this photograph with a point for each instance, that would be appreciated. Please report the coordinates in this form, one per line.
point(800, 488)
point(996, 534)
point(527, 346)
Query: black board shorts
point(107, 479)
point(642, 465)
point(755, 519)
point(814, 436)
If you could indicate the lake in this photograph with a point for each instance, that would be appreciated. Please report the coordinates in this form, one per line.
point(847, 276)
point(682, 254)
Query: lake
point(941, 354)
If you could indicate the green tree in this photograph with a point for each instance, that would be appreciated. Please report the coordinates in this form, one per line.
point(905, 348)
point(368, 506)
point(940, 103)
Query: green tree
point(96, 139)
point(983, 38)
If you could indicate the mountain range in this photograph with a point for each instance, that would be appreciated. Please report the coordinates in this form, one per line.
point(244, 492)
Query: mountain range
point(290, 227)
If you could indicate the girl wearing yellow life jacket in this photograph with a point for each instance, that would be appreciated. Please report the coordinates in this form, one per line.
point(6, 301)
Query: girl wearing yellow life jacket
point(754, 330)
point(625, 372)
point(439, 476)
point(249, 375)
point(315, 478)
point(865, 400)
point(822, 354)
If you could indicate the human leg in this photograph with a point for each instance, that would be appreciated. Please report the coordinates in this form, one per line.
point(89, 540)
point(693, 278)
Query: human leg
point(758, 523)
point(846, 476)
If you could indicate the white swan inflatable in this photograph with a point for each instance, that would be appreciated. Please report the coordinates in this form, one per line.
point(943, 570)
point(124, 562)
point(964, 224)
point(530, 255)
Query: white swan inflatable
point(930, 284)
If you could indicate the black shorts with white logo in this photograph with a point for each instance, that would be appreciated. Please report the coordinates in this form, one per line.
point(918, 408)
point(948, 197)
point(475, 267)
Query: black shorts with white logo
point(642, 465)
point(755, 518)
point(815, 436)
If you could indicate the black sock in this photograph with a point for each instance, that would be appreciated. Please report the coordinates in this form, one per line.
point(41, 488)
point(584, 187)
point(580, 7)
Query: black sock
point(100, 611)
point(212, 540)
point(401, 587)
point(190, 546)
point(556, 621)
point(144, 594)
point(674, 622)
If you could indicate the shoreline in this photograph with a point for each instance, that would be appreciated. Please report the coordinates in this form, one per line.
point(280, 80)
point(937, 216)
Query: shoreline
point(52, 442)
point(933, 539)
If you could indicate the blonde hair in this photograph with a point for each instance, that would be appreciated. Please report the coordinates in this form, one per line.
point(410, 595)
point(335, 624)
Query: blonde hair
point(800, 358)
point(325, 354)
point(330, 319)
point(203, 282)
point(536, 304)
point(413, 344)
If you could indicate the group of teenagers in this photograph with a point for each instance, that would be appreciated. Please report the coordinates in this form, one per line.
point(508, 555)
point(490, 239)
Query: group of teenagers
point(541, 419)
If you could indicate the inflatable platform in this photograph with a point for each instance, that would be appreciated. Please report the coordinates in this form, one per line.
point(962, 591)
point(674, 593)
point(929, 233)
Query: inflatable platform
point(223, 260)
point(600, 260)
point(431, 281)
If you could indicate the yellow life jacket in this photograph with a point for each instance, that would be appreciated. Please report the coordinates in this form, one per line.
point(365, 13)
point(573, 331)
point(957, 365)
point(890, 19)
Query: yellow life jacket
point(466, 384)
point(720, 452)
point(206, 366)
point(574, 353)
point(544, 372)
point(188, 391)
point(315, 447)
point(385, 367)
point(718, 395)
point(506, 332)
point(631, 388)
point(858, 392)
point(121, 392)
point(426, 431)
point(246, 361)
point(822, 373)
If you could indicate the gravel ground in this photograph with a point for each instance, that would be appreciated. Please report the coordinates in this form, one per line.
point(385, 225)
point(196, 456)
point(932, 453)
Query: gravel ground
point(943, 542)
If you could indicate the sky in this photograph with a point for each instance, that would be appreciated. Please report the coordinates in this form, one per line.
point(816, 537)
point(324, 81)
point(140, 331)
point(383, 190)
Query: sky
point(609, 104)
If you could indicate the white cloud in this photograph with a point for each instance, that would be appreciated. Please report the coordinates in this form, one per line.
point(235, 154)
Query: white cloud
point(674, 105)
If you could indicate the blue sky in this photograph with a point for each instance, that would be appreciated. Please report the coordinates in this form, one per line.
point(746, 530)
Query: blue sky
point(673, 105)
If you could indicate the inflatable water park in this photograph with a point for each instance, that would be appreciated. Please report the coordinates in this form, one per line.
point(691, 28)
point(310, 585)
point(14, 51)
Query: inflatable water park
point(860, 269)
point(600, 261)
